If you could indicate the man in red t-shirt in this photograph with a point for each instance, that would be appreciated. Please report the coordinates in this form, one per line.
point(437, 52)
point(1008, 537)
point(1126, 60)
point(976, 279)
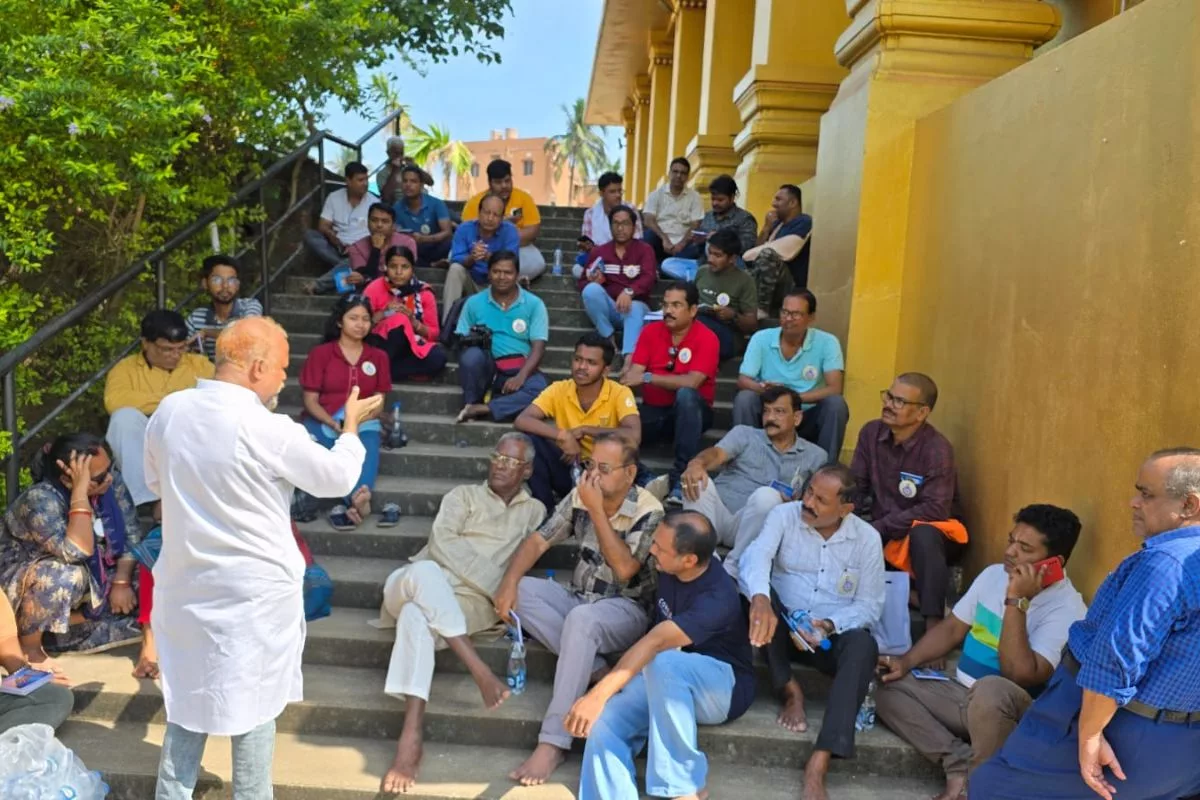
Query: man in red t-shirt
point(675, 364)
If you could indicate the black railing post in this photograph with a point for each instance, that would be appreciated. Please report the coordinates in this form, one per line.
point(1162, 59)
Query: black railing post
point(321, 173)
point(160, 281)
point(13, 468)
point(263, 249)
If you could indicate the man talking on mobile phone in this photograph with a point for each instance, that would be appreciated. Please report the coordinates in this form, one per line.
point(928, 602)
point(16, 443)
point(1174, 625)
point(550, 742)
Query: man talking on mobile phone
point(1011, 624)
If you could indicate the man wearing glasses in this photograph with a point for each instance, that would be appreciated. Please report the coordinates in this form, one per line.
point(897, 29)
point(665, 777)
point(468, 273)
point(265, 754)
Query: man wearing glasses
point(905, 471)
point(804, 359)
point(675, 363)
point(604, 609)
point(444, 596)
point(138, 383)
point(221, 278)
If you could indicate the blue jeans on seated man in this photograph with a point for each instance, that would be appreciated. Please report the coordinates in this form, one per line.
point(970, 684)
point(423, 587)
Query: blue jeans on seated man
point(322, 248)
point(602, 311)
point(683, 423)
point(179, 764)
point(658, 710)
point(824, 424)
point(429, 253)
point(551, 479)
point(477, 372)
point(726, 334)
point(371, 436)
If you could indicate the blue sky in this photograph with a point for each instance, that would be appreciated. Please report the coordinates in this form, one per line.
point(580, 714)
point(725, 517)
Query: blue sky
point(546, 62)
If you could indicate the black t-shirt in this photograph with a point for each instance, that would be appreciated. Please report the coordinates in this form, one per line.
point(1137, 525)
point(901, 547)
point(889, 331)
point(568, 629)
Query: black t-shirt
point(370, 271)
point(709, 611)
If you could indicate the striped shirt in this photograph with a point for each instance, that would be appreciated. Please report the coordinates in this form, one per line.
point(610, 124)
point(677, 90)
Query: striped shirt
point(206, 317)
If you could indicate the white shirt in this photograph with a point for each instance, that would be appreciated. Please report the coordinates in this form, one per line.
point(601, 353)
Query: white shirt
point(675, 215)
point(1048, 621)
point(349, 222)
point(840, 580)
point(597, 228)
point(228, 612)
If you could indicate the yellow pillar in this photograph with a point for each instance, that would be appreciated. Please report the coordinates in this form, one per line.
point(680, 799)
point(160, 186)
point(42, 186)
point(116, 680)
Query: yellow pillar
point(907, 58)
point(635, 180)
point(728, 38)
point(658, 128)
point(688, 63)
point(791, 82)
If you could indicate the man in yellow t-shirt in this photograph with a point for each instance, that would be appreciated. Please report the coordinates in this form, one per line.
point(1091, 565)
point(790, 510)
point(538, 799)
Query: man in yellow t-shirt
point(138, 383)
point(565, 417)
point(520, 210)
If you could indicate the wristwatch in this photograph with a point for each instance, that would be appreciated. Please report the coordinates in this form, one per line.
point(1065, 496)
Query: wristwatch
point(647, 377)
point(628, 291)
point(1022, 603)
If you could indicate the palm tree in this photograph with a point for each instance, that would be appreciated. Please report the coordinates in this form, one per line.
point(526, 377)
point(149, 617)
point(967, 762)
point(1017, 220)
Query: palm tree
point(389, 101)
point(581, 147)
point(433, 145)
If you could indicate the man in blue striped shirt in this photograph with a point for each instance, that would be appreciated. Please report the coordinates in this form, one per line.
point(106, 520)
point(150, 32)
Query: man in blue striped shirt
point(1125, 701)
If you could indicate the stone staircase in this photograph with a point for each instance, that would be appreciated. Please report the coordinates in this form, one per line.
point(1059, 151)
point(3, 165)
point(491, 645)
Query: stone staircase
point(338, 742)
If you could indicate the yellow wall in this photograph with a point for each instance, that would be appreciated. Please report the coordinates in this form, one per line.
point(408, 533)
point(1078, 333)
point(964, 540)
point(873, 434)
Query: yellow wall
point(1051, 286)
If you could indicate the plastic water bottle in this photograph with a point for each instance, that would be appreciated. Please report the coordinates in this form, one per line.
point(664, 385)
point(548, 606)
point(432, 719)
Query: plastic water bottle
point(516, 667)
point(558, 264)
point(801, 621)
point(398, 437)
point(865, 720)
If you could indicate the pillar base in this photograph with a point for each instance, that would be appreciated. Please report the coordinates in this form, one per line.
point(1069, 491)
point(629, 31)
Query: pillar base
point(781, 110)
point(710, 155)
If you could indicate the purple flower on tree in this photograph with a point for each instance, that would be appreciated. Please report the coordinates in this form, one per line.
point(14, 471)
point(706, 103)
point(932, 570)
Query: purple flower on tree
point(73, 129)
point(207, 119)
point(84, 46)
point(6, 102)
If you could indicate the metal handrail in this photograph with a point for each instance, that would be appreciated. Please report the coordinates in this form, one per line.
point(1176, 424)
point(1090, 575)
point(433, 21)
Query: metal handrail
point(10, 361)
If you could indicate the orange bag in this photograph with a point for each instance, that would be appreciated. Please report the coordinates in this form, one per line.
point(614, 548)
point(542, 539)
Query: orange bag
point(896, 551)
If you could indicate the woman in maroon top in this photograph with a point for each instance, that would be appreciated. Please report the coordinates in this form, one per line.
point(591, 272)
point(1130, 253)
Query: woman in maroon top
point(344, 361)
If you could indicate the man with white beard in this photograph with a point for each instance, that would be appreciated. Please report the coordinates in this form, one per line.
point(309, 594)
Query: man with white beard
point(228, 606)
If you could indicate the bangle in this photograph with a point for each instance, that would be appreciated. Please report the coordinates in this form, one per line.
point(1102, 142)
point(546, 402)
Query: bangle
point(75, 511)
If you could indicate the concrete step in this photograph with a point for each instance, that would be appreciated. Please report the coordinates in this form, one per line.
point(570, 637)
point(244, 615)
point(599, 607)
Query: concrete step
point(446, 400)
point(344, 768)
point(546, 286)
point(349, 702)
point(313, 322)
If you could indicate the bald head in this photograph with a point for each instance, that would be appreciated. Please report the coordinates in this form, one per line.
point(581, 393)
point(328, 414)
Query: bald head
point(1168, 492)
point(253, 353)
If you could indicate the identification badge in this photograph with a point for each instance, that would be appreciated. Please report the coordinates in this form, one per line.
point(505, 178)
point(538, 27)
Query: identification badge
point(723, 299)
point(369, 369)
point(97, 527)
point(633, 270)
point(685, 355)
point(809, 373)
point(424, 229)
point(910, 483)
point(519, 326)
point(847, 585)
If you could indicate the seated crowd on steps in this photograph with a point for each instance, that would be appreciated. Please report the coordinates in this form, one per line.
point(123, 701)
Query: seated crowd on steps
point(654, 631)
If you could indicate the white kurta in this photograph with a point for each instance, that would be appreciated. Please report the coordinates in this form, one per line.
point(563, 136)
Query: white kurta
point(228, 613)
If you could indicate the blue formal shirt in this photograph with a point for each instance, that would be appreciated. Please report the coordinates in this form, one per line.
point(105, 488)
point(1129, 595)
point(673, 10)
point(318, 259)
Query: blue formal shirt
point(1141, 637)
point(506, 237)
point(425, 219)
point(513, 330)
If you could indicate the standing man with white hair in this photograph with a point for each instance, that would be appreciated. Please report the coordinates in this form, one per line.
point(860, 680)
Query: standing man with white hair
point(388, 177)
point(228, 605)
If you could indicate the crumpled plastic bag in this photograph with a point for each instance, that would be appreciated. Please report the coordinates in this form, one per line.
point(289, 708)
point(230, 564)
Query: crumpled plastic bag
point(36, 766)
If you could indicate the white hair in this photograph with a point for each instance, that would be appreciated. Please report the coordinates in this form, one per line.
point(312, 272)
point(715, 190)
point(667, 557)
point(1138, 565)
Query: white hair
point(395, 140)
point(525, 442)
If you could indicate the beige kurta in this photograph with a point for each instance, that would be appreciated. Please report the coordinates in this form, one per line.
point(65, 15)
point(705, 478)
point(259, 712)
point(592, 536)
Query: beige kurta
point(474, 537)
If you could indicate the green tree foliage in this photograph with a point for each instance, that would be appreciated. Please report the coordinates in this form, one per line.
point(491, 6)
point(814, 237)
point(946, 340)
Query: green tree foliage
point(123, 120)
point(580, 147)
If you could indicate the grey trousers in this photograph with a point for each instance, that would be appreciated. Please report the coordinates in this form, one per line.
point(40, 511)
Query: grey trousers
point(459, 283)
point(948, 723)
point(49, 705)
point(577, 632)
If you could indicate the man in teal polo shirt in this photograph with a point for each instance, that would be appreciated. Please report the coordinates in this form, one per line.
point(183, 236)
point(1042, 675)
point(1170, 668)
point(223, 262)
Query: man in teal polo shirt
point(422, 216)
point(804, 359)
point(519, 327)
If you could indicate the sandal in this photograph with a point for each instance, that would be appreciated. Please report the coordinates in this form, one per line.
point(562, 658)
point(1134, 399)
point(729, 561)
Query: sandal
point(389, 516)
point(339, 518)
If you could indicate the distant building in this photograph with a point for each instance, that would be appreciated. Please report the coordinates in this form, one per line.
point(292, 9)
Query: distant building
point(532, 170)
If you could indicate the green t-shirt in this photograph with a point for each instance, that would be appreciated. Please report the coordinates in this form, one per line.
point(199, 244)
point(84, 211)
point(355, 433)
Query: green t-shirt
point(732, 287)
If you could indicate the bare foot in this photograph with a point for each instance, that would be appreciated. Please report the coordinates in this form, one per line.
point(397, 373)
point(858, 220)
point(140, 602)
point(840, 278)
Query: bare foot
point(956, 785)
point(814, 789)
point(310, 287)
point(36, 655)
point(403, 774)
point(354, 516)
point(700, 795)
point(538, 767)
point(792, 716)
point(474, 411)
point(361, 501)
point(494, 690)
point(147, 663)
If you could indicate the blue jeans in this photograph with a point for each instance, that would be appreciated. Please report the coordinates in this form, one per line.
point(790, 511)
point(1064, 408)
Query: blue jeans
point(477, 373)
point(681, 269)
point(682, 423)
point(659, 710)
point(602, 311)
point(727, 335)
point(253, 753)
point(370, 439)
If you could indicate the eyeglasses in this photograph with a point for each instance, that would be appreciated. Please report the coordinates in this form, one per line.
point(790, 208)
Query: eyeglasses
point(172, 349)
point(507, 462)
point(216, 281)
point(590, 465)
point(892, 400)
point(671, 353)
point(622, 223)
point(785, 314)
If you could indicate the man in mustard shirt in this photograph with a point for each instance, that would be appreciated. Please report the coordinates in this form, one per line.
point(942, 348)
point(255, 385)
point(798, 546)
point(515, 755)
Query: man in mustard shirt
point(137, 384)
point(564, 418)
point(520, 210)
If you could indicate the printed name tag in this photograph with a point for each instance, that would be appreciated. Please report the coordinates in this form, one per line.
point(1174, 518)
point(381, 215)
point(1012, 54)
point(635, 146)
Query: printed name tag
point(848, 584)
point(910, 483)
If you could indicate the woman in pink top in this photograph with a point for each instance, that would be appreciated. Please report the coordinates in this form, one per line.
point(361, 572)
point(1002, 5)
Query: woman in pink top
point(406, 318)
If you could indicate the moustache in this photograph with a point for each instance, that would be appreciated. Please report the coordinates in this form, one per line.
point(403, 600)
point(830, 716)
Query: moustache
point(808, 510)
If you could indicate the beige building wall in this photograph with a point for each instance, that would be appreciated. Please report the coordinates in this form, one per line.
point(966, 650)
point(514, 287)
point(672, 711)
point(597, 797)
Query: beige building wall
point(531, 165)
